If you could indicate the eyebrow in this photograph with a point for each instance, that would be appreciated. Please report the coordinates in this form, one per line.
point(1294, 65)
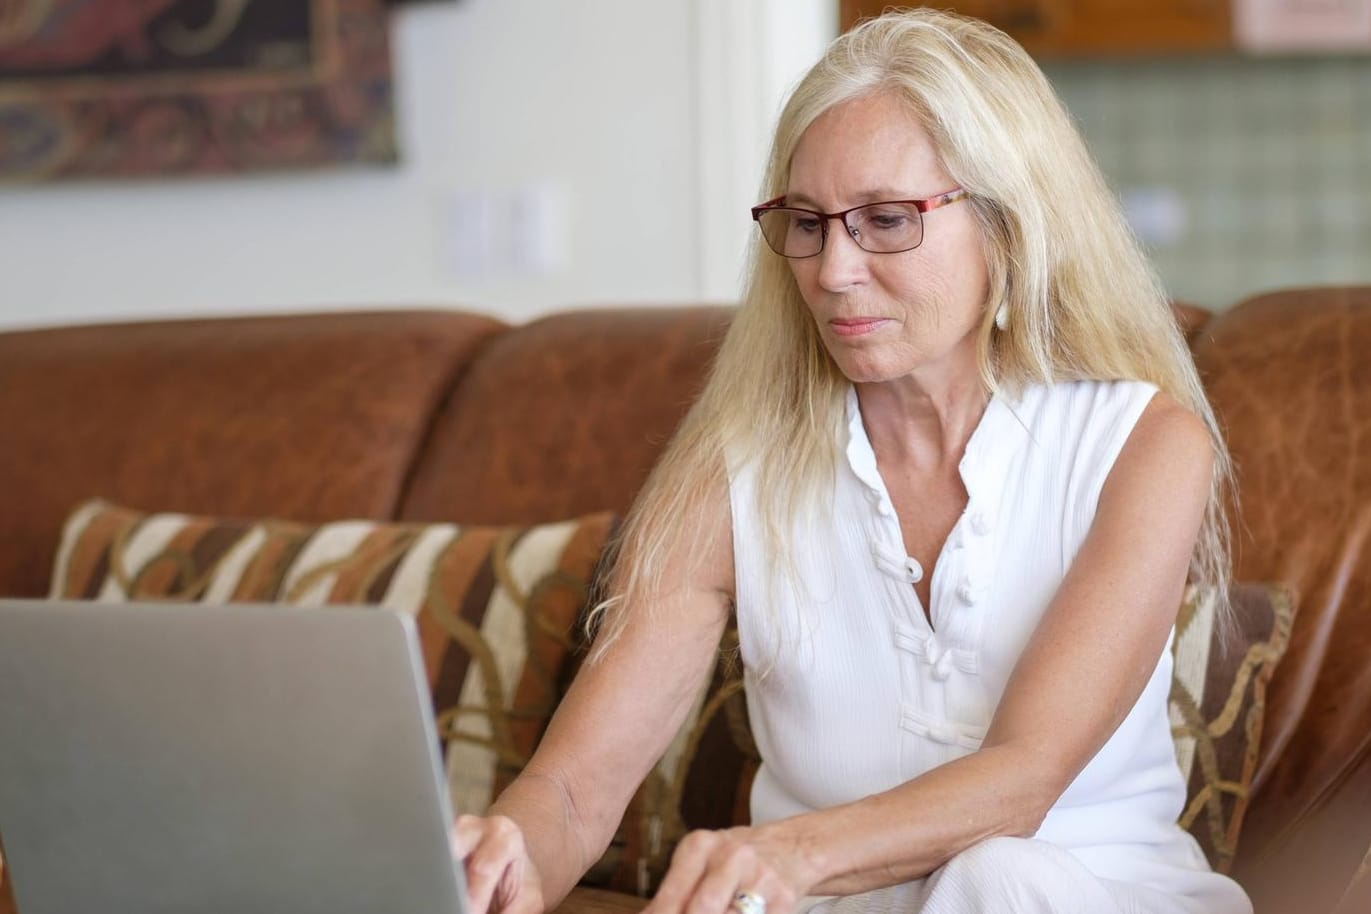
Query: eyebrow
point(874, 195)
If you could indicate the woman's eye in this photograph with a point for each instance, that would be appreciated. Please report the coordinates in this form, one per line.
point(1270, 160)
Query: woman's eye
point(807, 225)
point(890, 221)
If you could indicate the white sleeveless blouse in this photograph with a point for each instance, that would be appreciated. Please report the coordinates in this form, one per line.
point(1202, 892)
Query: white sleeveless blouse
point(863, 694)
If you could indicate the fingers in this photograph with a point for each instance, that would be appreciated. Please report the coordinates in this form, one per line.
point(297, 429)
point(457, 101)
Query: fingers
point(516, 893)
point(496, 864)
point(733, 871)
point(688, 864)
point(709, 868)
point(465, 834)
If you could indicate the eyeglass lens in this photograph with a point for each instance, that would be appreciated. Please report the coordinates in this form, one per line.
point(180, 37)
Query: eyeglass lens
point(881, 228)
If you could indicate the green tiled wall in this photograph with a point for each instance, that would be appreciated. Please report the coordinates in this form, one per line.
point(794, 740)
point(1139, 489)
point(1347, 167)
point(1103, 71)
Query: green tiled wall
point(1263, 165)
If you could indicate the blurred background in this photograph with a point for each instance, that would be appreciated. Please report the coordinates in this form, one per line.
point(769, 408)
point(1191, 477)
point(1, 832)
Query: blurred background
point(212, 157)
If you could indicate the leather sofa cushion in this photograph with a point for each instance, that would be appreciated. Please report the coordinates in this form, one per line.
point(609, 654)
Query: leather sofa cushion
point(564, 416)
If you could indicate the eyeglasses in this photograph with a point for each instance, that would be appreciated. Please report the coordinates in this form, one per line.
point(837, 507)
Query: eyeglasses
point(879, 228)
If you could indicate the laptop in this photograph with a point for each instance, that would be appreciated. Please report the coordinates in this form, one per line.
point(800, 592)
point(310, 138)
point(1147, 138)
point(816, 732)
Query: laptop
point(189, 758)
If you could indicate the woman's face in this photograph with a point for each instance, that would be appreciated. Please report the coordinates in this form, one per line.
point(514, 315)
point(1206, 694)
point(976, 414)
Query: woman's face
point(886, 316)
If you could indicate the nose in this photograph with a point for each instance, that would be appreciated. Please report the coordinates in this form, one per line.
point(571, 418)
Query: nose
point(842, 263)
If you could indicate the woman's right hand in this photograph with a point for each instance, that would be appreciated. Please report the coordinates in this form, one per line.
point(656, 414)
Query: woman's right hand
point(501, 877)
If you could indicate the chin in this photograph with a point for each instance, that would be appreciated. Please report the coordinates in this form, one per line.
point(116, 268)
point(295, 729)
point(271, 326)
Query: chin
point(866, 370)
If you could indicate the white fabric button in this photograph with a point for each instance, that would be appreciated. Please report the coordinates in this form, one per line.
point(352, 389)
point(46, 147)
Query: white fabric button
point(967, 592)
point(885, 508)
point(980, 523)
point(913, 570)
point(939, 658)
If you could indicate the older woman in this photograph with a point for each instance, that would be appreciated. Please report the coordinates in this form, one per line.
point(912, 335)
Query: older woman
point(951, 470)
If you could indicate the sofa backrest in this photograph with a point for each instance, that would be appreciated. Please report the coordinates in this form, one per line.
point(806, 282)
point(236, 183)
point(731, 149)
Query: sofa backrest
point(310, 417)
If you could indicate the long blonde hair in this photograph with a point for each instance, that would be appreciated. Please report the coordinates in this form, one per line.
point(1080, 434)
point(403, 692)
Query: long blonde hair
point(1081, 298)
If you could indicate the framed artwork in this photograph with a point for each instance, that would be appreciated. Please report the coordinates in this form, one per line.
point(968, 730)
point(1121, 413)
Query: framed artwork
point(136, 88)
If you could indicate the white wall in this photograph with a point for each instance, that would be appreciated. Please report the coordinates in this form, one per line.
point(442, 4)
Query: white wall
point(750, 53)
point(613, 110)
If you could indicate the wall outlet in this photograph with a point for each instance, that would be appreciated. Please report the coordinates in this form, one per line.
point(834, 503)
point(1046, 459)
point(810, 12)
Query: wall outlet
point(522, 231)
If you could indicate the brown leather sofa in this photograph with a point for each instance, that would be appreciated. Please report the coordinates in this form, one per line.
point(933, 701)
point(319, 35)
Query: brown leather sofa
point(428, 415)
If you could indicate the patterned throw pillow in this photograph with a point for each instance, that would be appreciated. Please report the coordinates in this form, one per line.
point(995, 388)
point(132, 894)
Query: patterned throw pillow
point(1217, 702)
point(496, 608)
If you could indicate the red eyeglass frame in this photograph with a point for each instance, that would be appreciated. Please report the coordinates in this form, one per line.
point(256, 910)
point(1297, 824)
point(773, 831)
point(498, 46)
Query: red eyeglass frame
point(954, 195)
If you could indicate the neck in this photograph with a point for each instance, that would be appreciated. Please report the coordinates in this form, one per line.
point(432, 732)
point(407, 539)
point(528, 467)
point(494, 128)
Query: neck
point(924, 418)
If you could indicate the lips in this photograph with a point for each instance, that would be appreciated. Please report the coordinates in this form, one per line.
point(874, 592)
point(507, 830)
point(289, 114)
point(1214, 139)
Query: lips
point(857, 326)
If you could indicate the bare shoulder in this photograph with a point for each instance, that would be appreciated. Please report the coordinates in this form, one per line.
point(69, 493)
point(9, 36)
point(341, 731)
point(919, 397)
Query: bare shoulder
point(1170, 446)
point(1172, 429)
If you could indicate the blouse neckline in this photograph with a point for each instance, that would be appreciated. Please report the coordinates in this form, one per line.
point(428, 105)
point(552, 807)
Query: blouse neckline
point(998, 435)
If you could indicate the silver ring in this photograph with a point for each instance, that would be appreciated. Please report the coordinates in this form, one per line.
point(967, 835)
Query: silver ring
point(749, 903)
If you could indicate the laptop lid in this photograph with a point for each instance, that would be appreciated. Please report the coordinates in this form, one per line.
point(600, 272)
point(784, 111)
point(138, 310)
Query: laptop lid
point(158, 758)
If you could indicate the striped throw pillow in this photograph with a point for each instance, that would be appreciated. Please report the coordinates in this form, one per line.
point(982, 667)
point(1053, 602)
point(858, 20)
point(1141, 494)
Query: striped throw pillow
point(496, 607)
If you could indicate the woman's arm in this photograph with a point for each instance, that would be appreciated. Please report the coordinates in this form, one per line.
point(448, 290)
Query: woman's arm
point(616, 720)
point(1079, 676)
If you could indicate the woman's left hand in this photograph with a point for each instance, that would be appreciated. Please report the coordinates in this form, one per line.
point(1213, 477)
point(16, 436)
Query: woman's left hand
point(710, 868)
